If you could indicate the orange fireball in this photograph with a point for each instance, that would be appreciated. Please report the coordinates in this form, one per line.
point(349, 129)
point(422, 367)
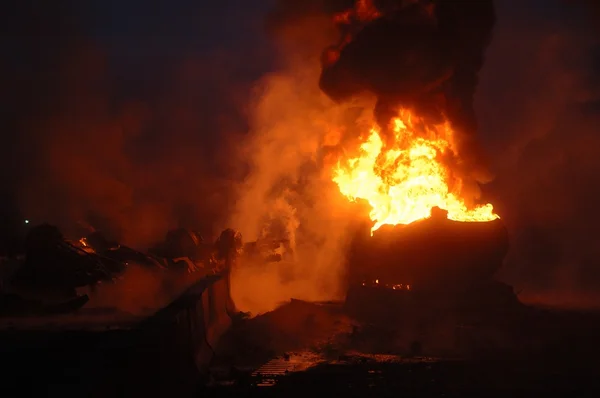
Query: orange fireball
point(405, 180)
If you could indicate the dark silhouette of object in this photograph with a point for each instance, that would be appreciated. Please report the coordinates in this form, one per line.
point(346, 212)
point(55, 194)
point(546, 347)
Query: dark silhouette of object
point(51, 262)
point(430, 254)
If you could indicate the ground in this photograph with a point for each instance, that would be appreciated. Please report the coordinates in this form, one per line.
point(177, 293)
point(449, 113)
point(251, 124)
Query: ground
point(303, 349)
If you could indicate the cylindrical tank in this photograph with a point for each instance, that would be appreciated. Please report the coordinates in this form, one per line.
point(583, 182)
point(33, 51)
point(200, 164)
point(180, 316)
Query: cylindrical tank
point(434, 253)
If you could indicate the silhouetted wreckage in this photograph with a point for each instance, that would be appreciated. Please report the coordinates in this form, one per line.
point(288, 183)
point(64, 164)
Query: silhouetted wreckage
point(54, 268)
point(434, 256)
point(59, 299)
point(432, 275)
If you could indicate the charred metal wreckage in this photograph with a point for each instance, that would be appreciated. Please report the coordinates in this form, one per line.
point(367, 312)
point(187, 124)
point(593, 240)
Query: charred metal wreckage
point(419, 291)
point(434, 260)
point(53, 268)
point(66, 308)
point(417, 273)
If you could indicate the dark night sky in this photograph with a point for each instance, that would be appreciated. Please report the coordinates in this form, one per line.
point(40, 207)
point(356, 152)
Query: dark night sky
point(188, 64)
point(144, 42)
point(137, 32)
point(175, 76)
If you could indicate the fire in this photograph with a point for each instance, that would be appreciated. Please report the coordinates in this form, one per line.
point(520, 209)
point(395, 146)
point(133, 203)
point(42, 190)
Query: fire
point(404, 181)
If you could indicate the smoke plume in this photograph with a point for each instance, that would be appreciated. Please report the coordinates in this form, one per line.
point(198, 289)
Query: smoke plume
point(538, 103)
point(386, 54)
point(423, 55)
point(288, 192)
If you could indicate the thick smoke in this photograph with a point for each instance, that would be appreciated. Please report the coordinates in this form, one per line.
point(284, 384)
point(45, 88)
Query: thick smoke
point(423, 55)
point(538, 103)
point(288, 192)
point(413, 55)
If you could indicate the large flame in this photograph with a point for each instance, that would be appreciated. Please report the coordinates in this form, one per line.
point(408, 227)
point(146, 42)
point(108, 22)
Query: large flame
point(405, 180)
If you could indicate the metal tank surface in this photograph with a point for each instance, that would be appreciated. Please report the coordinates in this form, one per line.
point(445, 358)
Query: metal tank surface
point(435, 267)
point(431, 254)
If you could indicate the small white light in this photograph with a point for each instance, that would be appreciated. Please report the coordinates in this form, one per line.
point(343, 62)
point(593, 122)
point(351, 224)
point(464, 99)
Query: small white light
point(26, 221)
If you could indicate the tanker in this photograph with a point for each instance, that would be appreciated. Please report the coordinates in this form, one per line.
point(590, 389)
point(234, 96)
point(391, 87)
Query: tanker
point(434, 265)
point(431, 254)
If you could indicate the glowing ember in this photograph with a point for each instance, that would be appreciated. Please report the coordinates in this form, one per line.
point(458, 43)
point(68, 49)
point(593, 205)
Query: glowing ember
point(396, 286)
point(84, 244)
point(405, 180)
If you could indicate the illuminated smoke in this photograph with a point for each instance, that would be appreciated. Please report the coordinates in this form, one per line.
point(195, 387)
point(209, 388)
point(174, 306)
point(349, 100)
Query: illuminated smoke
point(423, 55)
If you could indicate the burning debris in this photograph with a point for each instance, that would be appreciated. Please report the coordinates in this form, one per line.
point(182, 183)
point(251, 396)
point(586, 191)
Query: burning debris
point(423, 55)
point(432, 276)
point(420, 60)
point(415, 163)
point(100, 304)
point(53, 269)
point(434, 253)
point(403, 180)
